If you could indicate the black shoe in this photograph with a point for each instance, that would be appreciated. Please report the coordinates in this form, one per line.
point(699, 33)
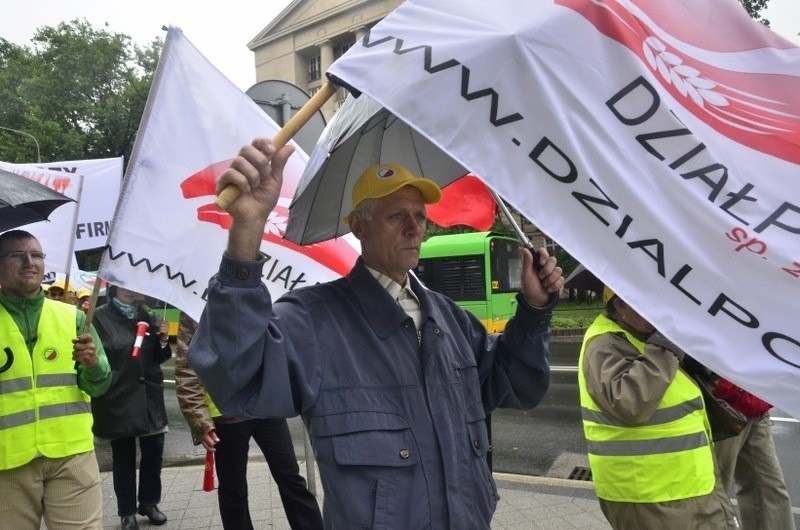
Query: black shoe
point(153, 514)
point(129, 523)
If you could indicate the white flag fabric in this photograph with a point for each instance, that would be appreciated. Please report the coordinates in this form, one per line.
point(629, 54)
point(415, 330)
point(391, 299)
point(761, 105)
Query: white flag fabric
point(167, 236)
point(102, 178)
point(56, 235)
point(657, 142)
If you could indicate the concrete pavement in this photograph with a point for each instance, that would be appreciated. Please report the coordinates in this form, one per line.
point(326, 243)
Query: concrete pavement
point(525, 502)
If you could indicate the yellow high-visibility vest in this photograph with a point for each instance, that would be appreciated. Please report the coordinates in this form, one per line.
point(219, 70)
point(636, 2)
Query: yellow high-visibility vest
point(212, 408)
point(42, 410)
point(669, 458)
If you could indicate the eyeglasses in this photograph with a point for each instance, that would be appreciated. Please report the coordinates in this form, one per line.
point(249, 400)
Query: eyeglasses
point(23, 256)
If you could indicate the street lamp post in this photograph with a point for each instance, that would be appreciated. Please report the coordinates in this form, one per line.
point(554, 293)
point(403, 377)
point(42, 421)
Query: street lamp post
point(38, 153)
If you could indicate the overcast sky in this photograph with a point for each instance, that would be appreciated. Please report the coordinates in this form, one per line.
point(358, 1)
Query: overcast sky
point(222, 33)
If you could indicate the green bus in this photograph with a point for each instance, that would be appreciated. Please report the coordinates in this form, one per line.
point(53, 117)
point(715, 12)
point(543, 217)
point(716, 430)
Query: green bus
point(480, 271)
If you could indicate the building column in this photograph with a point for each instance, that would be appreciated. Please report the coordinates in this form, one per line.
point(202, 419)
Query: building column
point(360, 31)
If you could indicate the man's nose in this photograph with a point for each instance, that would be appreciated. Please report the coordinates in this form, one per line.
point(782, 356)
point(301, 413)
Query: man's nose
point(413, 224)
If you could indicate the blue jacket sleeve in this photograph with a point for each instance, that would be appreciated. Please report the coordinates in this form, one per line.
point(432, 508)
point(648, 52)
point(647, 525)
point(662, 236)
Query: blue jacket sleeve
point(514, 366)
point(248, 364)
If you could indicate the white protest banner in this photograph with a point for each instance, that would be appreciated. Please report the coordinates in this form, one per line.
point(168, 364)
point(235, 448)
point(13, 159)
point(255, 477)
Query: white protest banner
point(167, 236)
point(55, 234)
point(102, 178)
point(658, 142)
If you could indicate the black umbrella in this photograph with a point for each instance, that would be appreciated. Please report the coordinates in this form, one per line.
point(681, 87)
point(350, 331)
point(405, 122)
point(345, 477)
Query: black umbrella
point(24, 201)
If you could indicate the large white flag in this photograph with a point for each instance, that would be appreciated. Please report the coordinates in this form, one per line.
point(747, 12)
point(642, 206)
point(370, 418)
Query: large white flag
point(167, 236)
point(57, 233)
point(658, 142)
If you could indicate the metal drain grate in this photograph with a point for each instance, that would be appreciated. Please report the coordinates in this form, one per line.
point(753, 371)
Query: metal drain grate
point(581, 473)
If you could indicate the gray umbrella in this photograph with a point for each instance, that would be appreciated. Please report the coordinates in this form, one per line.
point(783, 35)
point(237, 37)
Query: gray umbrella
point(24, 201)
point(361, 133)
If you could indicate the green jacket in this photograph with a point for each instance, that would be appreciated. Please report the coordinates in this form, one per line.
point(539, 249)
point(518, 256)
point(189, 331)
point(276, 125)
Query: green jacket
point(26, 312)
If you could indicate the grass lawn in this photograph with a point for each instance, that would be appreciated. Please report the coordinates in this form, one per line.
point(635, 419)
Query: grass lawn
point(574, 315)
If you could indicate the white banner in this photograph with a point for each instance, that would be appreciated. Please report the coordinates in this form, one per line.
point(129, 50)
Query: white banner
point(167, 236)
point(658, 142)
point(102, 178)
point(55, 234)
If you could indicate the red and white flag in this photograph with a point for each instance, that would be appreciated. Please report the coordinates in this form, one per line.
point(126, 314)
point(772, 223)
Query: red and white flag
point(167, 237)
point(102, 178)
point(57, 234)
point(657, 142)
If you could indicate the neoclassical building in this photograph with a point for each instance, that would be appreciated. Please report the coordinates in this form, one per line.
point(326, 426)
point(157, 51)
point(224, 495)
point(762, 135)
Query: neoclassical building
point(299, 45)
point(304, 39)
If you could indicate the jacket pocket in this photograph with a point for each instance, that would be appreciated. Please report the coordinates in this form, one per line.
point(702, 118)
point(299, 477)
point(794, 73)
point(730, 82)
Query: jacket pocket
point(485, 500)
point(475, 418)
point(368, 439)
point(374, 459)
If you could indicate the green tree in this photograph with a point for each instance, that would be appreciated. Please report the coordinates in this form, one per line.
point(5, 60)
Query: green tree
point(754, 9)
point(78, 90)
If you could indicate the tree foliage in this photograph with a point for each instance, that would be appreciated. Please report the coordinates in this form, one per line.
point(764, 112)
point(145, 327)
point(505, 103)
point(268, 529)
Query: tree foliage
point(754, 9)
point(78, 90)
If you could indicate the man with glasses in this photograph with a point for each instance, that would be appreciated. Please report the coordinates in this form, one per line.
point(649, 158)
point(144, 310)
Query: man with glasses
point(48, 370)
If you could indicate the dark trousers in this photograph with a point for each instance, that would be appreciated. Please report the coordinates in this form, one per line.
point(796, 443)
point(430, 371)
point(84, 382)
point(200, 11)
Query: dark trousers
point(275, 442)
point(123, 452)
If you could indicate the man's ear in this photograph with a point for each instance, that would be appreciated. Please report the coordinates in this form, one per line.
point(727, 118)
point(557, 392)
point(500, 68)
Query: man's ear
point(356, 225)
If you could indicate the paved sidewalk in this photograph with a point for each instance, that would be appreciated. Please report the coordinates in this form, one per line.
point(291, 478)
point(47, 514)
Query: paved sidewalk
point(525, 502)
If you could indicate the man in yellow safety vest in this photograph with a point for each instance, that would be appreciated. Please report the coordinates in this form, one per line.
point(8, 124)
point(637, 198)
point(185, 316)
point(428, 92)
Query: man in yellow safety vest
point(648, 437)
point(48, 371)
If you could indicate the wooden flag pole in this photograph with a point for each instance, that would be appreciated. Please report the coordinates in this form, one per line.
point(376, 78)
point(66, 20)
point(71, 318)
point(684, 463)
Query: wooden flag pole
point(282, 137)
point(92, 304)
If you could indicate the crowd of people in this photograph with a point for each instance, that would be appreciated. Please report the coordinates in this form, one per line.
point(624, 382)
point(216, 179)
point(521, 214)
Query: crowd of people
point(393, 382)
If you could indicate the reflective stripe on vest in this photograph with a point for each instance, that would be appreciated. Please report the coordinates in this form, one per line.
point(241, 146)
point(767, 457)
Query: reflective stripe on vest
point(668, 458)
point(660, 416)
point(43, 410)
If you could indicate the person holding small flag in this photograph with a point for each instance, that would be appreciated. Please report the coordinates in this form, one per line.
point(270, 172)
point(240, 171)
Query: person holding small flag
point(228, 439)
point(133, 409)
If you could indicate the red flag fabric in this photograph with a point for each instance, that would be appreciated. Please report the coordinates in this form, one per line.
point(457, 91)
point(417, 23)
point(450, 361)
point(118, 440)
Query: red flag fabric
point(208, 472)
point(465, 201)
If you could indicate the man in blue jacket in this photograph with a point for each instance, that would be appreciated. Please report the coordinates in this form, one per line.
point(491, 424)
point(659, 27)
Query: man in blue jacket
point(393, 381)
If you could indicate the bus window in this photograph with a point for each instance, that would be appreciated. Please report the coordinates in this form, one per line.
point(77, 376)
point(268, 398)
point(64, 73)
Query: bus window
point(460, 278)
point(506, 265)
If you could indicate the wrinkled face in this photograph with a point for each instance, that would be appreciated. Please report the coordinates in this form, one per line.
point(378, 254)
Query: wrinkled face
point(391, 236)
point(21, 268)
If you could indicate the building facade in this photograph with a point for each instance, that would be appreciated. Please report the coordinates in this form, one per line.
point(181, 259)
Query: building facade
point(301, 43)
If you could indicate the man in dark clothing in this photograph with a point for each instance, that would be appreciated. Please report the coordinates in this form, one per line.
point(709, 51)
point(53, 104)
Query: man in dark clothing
point(393, 381)
point(229, 439)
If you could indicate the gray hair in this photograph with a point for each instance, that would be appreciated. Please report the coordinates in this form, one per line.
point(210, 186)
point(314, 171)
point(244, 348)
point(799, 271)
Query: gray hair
point(365, 208)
